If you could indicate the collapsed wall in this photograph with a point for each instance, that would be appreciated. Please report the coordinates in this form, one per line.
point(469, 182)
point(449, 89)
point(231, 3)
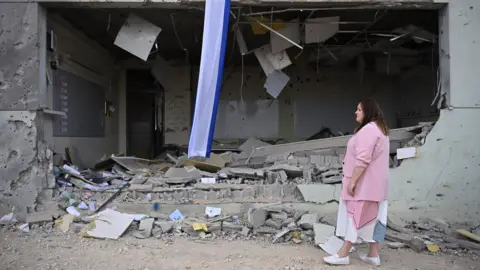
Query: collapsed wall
point(24, 160)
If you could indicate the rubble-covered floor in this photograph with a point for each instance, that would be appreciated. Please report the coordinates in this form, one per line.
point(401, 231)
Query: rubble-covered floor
point(41, 250)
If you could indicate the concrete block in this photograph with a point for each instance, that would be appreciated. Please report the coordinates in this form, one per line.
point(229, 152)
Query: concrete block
point(245, 231)
point(40, 217)
point(166, 226)
point(322, 233)
point(277, 224)
point(281, 216)
point(265, 230)
point(231, 227)
point(257, 217)
point(145, 228)
point(307, 221)
point(317, 193)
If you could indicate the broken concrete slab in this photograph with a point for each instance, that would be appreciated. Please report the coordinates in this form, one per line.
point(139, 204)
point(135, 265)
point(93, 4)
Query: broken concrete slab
point(273, 223)
point(293, 171)
point(109, 224)
point(231, 227)
point(322, 233)
point(245, 231)
point(265, 230)
point(166, 226)
point(185, 172)
point(279, 235)
point(221, 186)
point(317, 193)
point(141, 188)
point(250, 144)
point(246, 172)
point(145, 228)
point(40, 217)
point(307, 221)
point(401, 134)
point(395, 245)
point(281, 216)
point(257, 217)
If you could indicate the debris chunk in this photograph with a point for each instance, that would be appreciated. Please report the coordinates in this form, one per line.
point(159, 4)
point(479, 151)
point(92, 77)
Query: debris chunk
point(166, 226)
point(279, 235)
point(323, 233)
point(39, 217)
point(108, 224)
point(257, 217)
point(468, 234)
point(308, 220)
point(145, 228)
point(273, 223)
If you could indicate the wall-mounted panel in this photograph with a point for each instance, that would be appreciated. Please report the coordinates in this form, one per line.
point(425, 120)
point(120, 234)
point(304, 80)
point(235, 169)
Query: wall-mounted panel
point(84, 103)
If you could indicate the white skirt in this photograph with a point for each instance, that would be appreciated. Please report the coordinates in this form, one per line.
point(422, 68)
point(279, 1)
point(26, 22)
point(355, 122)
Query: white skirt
point(372, 232)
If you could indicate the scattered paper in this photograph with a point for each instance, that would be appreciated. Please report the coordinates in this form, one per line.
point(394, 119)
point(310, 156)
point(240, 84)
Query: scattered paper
point(83, 206)
point(72, 171)
point(332, 246)
point(176, 215)
point(24, 227)
point(208, 180)
point(276, 82)
point(200, 227)
point(108, 224)
point(408, 152)
point(73, 211)
point(91, 205)
point(213, 211)
point(149, 196)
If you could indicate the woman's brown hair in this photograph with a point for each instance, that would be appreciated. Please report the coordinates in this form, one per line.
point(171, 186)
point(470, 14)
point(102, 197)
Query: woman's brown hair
point(372, 113)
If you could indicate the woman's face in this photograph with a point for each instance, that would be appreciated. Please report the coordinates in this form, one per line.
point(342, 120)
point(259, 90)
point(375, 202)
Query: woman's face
point(359, 115)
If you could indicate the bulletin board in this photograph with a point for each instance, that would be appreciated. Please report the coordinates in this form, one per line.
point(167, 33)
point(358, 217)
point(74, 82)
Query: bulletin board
point(84, 103)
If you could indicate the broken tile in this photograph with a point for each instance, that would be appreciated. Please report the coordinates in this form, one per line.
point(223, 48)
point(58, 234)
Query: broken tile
point(271, 61)
point(137, 36)
point(332, 245)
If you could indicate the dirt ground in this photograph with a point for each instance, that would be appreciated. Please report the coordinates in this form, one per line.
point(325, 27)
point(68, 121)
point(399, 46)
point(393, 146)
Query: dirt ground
point(41, 250)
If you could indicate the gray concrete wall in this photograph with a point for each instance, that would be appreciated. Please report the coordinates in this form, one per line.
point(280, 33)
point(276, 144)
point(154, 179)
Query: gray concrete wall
point(73, 44)
point(24, 159)
point(445, 179)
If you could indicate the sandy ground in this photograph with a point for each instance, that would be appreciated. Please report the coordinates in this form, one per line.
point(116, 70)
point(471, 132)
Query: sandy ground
point(39, 250)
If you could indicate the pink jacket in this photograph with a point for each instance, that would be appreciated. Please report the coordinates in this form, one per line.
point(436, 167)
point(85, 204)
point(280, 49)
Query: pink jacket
point(369, 148)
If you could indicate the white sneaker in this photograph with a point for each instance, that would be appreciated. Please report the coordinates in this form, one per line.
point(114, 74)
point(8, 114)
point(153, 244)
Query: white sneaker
point(335, 260)
point(371, 260)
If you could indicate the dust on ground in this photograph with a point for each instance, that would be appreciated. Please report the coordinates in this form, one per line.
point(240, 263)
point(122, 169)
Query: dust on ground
point(42, 250)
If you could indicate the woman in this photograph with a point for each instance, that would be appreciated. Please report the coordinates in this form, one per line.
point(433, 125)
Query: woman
point(362, 212)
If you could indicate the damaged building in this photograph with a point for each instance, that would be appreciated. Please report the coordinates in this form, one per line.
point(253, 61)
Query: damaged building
point(100, 95)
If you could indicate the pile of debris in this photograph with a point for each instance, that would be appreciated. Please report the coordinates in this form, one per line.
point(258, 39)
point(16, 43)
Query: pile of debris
point(272, 223)
point(256, 171)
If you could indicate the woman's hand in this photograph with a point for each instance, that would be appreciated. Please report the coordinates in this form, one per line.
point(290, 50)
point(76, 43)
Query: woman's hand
point(351, 188)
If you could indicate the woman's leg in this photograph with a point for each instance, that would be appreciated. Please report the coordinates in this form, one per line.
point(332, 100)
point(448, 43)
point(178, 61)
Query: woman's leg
point(373, 250)
point(345, 250)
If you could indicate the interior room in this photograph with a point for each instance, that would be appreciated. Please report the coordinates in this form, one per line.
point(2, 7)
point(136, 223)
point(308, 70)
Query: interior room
point(112, 101)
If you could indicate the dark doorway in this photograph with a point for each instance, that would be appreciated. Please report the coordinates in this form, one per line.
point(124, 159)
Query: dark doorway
point(144, 115)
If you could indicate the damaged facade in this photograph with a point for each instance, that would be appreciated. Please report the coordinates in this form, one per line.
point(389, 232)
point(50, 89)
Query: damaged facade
point(414, 84)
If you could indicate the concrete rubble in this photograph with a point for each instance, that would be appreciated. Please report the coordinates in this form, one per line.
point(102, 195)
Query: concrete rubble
point(266, 179)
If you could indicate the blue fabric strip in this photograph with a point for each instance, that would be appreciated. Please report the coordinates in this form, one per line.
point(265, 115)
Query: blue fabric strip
point(226, 17)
